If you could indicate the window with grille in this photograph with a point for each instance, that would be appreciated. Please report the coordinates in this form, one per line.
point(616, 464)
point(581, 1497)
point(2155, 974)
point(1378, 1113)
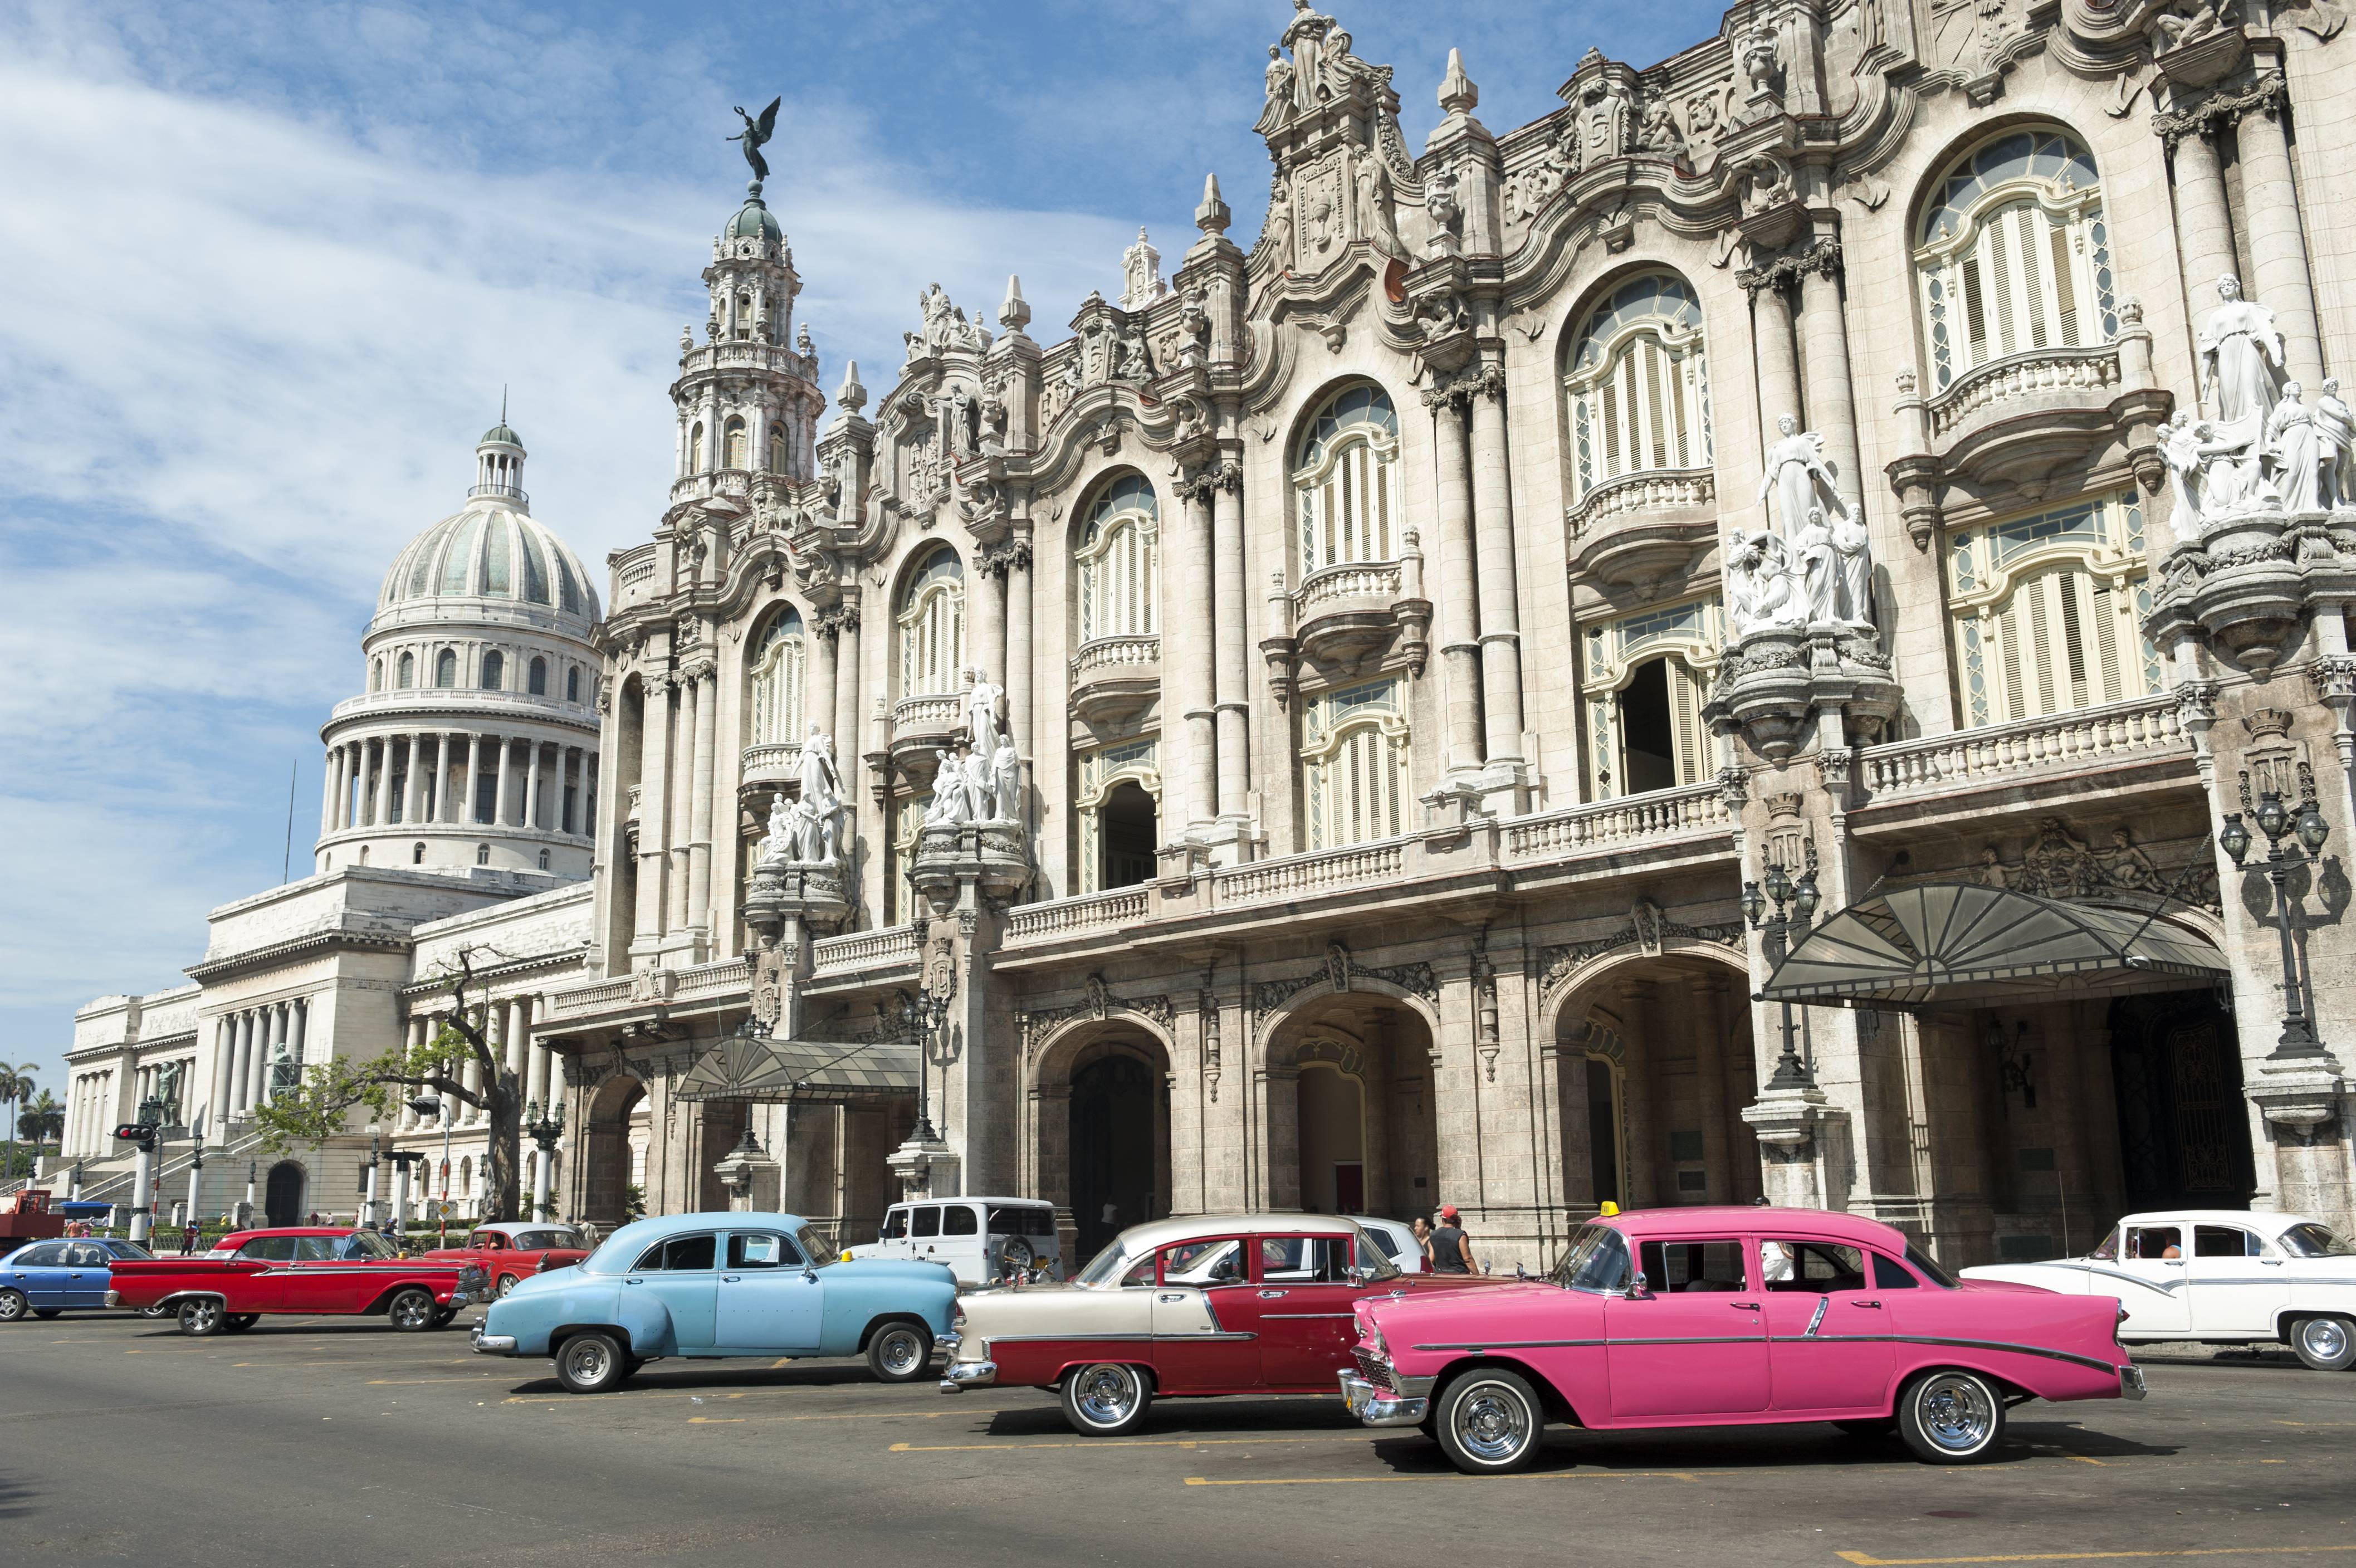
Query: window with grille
point(779, 665)
point(2013, 254)
point(1119, 563)
point(733, 448)
point(1110, 855)
point(932, 626)
point(1355, 765)
point(1638, 384)
point(1346, 481)
point(2047, 610)
point(1643, 680)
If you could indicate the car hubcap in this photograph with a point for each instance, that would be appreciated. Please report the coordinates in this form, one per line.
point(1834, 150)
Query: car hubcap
point(506, 1284)
point(901, 1352)
point(1492, 1424)
point(588, 1363)
point(10, 1306)
point(1107, 1394)
point(2326, 1338)
point(1957, 1413)
point(204, 1317)
point(413, 1311)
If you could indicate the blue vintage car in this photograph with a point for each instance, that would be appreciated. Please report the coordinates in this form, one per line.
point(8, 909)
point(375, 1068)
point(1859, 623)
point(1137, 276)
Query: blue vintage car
point(722, 1284)
point(45, 1278)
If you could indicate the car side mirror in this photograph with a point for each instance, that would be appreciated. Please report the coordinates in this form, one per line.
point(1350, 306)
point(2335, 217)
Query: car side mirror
point(1638, 1290)
point(810, 1275)
point(1359, 1276)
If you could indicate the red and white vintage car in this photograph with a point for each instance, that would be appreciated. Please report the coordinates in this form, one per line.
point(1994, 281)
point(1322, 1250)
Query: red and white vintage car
point(308, 1271)
point(511, 1251)
point(1209, 1305)
point(1719, 1317)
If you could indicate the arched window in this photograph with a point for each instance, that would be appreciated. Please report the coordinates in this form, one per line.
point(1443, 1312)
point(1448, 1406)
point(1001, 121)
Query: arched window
point(695, 446)
point(537, 677)
point(543, 860)
point(778, 450)
point(1117, 561)
point(1643, 680)
point(445, 668)
point(932, 626)
point(417, 854)
point(482, 854)
point(495, 669)
point(2048, 609)
point(744, 324)
point(1638, 384)
point(364, 849)
point(572, 684)
point(732, 441)
point(1355, 759)
point(1118, 801)
point(780, 663)
point(407, 676)
point(1346, 481)
point(376, 674)
point(2012, 255)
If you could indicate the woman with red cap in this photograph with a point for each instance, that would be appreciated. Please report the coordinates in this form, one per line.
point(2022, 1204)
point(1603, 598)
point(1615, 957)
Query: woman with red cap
point(1451, 1253)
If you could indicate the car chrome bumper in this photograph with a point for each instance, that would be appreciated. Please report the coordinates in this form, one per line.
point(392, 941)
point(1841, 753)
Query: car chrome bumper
point(963, 1375)
point(2131, 1382)
point(1380, 1407)
point(949, 1342)
point(115, 1298)
point(494, 1344)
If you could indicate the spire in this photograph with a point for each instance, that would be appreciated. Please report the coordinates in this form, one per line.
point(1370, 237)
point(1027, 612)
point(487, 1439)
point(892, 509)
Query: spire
point(498, 461)
point(1457, 94)
point(852, 397)
point(1014, 314)
point(1213, 216)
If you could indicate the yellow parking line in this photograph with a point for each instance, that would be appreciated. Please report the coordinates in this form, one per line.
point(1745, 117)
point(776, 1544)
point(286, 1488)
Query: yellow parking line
point(715, 1421)
point(2082, 1459)
point(1397, 1480)
point(1862, 1560)
point(405, 1382)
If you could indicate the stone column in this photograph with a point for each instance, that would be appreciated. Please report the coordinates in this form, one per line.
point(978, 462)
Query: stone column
point(502, 816)
point(471, 1075)
point(986, 592)
point(327, 794)
point(817, 694)
point(474, 766)
point(412, 779)
point(1493, 526)
point(381, 792)
point(1832, 405)
point(1186, 665)
point(2204, 229)
point(1459, 631)
point(224, 1069)
point(2277, 249)
point(516, 1032)
point(1231, 665)
point(679, 830)
point(270, 1027)
point(532, 785)
point(654, 803)
point(699, 854)
point(339, 779)
point(847, 741)
point(1017, 677)
point(299, 1042)
point(1778, 369)
point(242, 1089)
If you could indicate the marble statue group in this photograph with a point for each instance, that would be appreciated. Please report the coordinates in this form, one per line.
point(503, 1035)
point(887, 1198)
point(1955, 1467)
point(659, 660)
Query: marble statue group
point(2260, 444)
point(985, 783)
point(809, 831)
point(1811, 564)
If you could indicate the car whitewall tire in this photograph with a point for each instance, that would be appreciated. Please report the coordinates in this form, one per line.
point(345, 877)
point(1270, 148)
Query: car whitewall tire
point(2326, 1344)
point(506, 1284)
point(1106, 1400)
point(1950, 1417)
point(1490, 1423)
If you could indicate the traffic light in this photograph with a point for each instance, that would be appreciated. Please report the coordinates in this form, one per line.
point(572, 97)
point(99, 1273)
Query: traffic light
point(139, 1133)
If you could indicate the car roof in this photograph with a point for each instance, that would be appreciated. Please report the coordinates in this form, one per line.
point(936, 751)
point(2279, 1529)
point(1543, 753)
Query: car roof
point(511, 1227)
point(656, 1226)
point(2256, 1221)
point(1157, 1233)
point(1752, 1219)
point(287, 1231)
point(979, 1197)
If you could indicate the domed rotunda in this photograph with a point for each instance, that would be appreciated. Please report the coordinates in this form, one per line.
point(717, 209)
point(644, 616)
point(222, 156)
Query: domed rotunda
point(475, 744)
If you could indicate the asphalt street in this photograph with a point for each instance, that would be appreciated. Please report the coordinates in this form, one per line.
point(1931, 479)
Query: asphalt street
point(334, 1441)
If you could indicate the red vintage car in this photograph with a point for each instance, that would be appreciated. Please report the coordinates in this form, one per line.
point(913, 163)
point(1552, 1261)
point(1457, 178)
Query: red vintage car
point(512, 1250)
point(305, 1269)
point(1209, 1305)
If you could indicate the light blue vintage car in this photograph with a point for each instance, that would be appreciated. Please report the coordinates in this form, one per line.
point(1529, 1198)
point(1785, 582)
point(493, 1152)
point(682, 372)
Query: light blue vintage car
point(722, 1284)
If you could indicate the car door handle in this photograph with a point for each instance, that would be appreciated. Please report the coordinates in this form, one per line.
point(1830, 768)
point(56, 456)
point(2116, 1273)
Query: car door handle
point(1170, 1298)
point(733, 1279)
point(1743, 1305)
point(2272, 1263)
point(1270, 1294)
point(1871, 1304)
point(633, 1281)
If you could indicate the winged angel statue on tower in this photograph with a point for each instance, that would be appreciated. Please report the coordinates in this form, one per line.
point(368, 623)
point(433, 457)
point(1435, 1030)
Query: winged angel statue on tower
point(756, 135)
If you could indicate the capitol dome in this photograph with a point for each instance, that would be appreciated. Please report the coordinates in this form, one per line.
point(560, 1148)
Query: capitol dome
point(492, 550)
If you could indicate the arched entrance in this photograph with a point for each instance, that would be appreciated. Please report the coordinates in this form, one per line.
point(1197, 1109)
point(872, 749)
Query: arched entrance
point(606, 1157)
point(2184, 1129)
point(1128, 836)
point(1349, 1109)
point(282, 1200)
point(1100, 1130)
point(1653, 1066)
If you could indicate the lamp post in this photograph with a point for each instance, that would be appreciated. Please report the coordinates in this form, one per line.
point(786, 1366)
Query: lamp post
point(251, 1168)
point(431, 1105)
point(545, 1131)
point(196, 1174)
point(924, 1013)
point(145, 1177)
point(1793, 901)
point(2306, 832)
point(376, 1158)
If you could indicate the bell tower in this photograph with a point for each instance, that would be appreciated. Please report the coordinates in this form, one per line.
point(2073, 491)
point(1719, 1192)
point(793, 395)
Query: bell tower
point(747, 396)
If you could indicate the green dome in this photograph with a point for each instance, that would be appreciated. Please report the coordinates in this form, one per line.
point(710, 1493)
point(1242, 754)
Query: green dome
point(753, 221)
point(500, 434)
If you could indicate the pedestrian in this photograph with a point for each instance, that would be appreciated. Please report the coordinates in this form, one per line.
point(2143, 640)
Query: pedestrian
point(1422, 1229)
point(1452, 1251)
point(188, 1237)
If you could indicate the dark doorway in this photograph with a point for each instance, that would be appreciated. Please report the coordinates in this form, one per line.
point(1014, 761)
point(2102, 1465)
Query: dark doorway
point(1128, 815)
point(2184, 1132)
point(1603, 1133)
point(1349, 1187)
point(1112, 1148)
point(281, 1197)
point(1647, 744)
point(605, 1159)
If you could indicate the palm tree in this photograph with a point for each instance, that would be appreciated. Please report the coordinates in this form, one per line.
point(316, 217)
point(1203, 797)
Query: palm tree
point(41, 1119)
point(15, 1083)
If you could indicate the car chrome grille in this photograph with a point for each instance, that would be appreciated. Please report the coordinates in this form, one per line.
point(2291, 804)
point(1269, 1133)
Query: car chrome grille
point(1374, 1369)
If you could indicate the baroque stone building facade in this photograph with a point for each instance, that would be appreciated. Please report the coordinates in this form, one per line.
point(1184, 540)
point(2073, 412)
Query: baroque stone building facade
point(1353, 725)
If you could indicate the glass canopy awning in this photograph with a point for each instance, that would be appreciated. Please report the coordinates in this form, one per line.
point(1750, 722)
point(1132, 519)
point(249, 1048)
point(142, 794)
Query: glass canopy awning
point(1962, 942)
point(749, 1066)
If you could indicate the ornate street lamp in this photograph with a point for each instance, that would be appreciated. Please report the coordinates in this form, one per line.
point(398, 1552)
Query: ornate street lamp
point(2306, 832)
point(431, 1105)
point(545, 1131)
point(923, 1015)
point(1795, 903)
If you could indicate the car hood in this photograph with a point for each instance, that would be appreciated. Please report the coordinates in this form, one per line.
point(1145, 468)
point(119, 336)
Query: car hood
point(889, 1269)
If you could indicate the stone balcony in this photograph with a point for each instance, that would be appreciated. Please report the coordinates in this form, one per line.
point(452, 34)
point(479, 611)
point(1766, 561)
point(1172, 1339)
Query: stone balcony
point(922, 726)
point(769, 767)
point(2117, 749)
point(1116, 678)
point(1641, 528)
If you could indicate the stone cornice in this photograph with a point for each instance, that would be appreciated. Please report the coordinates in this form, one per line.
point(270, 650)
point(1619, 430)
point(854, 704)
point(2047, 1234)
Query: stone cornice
point(309, 945)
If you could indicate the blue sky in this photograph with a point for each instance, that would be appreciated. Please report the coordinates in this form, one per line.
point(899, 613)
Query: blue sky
point(267, 266)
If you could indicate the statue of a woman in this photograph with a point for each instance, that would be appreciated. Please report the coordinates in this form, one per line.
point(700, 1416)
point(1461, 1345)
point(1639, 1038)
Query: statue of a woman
point(2179, 448)
point(1853, 547)
point(949, 799)
point(2295, 452)
point(1795, 468)
point(1819, 564)
point(2241, 355)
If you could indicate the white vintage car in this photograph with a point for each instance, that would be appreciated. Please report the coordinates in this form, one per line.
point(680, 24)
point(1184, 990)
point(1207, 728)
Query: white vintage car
point(2217, 1276)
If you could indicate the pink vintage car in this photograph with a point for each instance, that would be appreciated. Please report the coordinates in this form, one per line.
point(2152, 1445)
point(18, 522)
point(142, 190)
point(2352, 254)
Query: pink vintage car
point(1718, 1316)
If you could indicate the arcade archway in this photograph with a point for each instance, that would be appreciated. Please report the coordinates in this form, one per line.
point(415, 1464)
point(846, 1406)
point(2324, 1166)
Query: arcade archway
point(605, 1155)
point(1101, 1130)
point(281, 1198)
point(1349, 1109)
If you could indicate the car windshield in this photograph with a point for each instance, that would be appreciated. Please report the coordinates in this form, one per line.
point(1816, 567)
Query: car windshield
point(815, 1251)
point(1597, 1261)
point(1103, 1269)
point(2312, 1240)
point(2108, 1250)
point(1925, 1265)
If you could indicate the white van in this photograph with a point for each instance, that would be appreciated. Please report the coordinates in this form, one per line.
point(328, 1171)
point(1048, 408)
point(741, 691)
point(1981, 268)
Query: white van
point(984, 1239)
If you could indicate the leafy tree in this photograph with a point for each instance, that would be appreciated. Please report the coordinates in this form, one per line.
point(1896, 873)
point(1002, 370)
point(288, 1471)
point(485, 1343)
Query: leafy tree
point(42, 1119)
point(15, 1083)
point(318, 1107)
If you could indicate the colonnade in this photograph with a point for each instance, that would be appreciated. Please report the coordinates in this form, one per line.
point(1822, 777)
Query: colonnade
point(245, 1045)
point(1479, 610)
point(149, 1079)
point(90, 1116)
point(380, 780)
